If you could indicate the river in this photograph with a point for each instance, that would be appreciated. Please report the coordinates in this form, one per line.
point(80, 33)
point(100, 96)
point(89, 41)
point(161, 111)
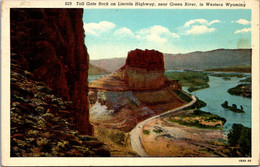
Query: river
point(217, 93)
point(95, 77)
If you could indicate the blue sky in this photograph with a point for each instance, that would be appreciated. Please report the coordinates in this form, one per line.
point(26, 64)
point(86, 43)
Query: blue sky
point(114, 32)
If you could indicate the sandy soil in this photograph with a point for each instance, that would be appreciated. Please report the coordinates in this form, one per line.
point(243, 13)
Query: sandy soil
point(172, 139)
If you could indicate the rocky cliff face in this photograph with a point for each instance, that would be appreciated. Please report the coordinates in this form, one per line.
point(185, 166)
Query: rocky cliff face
point(144, 70)
point(41, 124)
point(49, 43)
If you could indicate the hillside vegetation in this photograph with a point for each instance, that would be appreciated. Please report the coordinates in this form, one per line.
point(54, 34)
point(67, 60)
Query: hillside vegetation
point(193, 79)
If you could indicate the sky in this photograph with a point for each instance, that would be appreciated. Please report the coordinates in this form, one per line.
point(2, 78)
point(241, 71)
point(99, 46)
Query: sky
point(113, 33)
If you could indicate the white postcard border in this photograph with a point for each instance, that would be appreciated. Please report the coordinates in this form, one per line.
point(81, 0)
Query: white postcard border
point(113, 161)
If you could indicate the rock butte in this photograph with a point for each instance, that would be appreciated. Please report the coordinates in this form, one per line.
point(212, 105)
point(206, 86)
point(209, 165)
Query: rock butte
point(143, 70)
point(133, 93)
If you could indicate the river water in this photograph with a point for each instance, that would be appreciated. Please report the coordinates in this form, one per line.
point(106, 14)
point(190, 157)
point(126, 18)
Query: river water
point(94, 77)
point(217, 93)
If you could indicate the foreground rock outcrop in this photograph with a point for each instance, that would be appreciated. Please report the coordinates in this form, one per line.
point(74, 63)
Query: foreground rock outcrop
point(49, 43)
point(42, 124)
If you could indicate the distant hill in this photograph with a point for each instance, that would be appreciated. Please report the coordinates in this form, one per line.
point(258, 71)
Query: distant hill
point(94, 70)
point(219, 58)
point(207, 60)
point(109, 64)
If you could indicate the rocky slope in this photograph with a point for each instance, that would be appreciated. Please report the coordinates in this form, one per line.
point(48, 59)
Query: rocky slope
point(42, 124)
point(49, 43)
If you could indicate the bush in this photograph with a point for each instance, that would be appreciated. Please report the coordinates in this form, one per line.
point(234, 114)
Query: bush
point(183, 96)
point(157, 130)
point(118, 138)
point(146, 132)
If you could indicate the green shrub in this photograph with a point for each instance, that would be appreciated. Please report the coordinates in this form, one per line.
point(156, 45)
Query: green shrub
point(183, 96)
point(146, 132)
point(157, 130)
point(118, 138)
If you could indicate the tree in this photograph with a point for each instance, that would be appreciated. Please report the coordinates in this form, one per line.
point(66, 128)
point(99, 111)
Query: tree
point(225, 104)
point(234, 134)
point(240, 136)
point(241, 107)
point(245, 141)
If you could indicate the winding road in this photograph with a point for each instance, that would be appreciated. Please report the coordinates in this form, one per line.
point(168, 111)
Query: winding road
point(135, 133)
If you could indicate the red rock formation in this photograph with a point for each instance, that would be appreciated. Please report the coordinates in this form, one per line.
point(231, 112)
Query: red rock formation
point(148, 59)
point(144, 70)
point(50, 44)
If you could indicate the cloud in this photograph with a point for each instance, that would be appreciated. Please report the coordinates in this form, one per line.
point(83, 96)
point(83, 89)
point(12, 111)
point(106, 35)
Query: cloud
point(199, 29)
point(124, 32)
point(214, 21)
point(98, 28)
point(156, 33)
point(200, 21)
point(241, 21)
point(244, 30)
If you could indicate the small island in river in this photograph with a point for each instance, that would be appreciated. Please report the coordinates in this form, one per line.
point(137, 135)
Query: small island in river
point(233, 108)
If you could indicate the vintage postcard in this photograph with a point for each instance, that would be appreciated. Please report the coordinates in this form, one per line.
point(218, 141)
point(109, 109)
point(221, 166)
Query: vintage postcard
point(116, 83)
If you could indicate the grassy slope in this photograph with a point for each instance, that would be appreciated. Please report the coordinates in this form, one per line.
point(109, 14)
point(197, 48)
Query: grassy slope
point(193, 79)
